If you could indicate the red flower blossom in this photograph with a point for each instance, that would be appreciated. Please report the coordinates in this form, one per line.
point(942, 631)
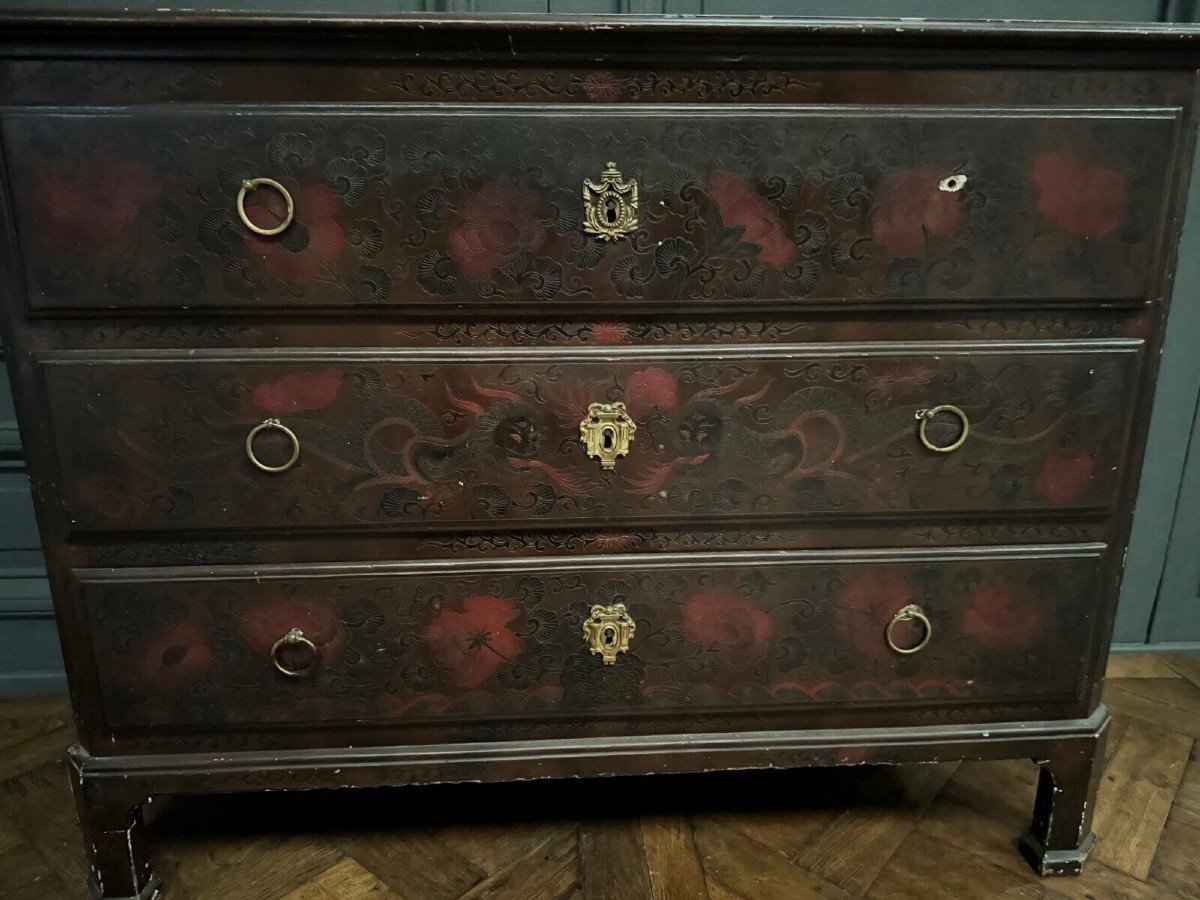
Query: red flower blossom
point(615, 542)
point(1082, 199)
point(739, 205)
point(647, 389)
point(265, 623)
point(738, 630)
point(1064, 475)
point(909, 205)
point(997, 620)
point(611, 332)
point(497, 224)
point(865, 607)
point(298, 254)
point(474, 643)
point(173, 656)
point(89, 205)
point(602, 86)
point(300, 391)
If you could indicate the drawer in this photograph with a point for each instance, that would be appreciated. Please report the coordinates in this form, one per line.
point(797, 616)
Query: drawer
point(412, 439)
point(769, 632)
point(420, 208)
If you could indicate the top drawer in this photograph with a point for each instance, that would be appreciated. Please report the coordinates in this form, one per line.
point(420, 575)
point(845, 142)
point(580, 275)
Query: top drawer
point(430, 209)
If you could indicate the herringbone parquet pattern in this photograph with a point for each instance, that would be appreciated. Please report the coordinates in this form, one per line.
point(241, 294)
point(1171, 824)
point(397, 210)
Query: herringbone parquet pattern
point(922, 831)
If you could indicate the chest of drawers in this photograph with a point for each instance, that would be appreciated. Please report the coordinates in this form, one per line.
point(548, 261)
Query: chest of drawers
point(417, 401)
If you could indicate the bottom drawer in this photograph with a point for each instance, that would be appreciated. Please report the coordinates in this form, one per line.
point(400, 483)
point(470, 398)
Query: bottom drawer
point(484, 641)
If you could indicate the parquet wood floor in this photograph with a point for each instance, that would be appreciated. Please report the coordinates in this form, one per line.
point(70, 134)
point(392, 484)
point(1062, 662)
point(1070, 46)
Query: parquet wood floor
point(921, 831)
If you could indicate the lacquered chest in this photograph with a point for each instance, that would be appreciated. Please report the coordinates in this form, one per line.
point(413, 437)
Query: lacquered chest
point(547, 411)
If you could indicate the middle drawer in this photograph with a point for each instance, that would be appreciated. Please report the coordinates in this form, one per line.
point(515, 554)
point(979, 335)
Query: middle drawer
point(412, 439)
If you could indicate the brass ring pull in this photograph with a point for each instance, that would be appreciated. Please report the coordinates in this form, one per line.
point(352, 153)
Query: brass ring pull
point(251, 184)
point(279, 426)
point(925, 416)
point(907, 614)
point(295, 637)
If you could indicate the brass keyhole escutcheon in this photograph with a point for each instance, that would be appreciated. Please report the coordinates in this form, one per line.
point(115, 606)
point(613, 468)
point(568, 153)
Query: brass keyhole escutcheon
point(608, 631)
point(610, 205)
point(606, 432)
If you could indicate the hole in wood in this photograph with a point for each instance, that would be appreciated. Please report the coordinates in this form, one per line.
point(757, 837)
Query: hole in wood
point(953, 184)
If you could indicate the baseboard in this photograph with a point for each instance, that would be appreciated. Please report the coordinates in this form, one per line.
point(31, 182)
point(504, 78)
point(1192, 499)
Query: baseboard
point(48, 682)
point(1164, 647)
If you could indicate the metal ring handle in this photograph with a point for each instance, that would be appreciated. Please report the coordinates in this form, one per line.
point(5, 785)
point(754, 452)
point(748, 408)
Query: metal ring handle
point(272, 423)
point(251, 184)
point(907, 614)
point(926, 416)
point(295, 636)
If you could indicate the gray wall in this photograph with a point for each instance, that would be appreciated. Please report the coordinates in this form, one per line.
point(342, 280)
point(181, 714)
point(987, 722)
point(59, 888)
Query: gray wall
point(1160, 596)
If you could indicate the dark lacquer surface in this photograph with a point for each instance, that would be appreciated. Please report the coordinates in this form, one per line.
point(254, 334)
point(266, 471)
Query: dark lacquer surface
point(477, 644)
point(159, 441)
point(481, 206)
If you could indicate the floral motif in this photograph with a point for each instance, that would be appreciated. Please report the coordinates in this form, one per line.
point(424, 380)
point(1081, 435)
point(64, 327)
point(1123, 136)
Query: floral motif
point(265, 623)
point(602, 86)
point(297, 392)
point(741, 206)
point(998, 620)
point(173, 656)
point(611, 332)
point(735, 628)
point(648, 389)
point(909, 206)
point(902, 380)
point(86, 206)
point(866, 605)
point(1079, 198)
point(290, 149)
point(1064, 475)
point(498, 223)
point(308, 245)
point(472, 644)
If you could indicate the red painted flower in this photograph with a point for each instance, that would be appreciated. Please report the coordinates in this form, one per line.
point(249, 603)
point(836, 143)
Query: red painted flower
point(615, 542)
point(497, 224)
point(471, 645)
point(738, 630)
point(89, 205)
point(997, 620)
point(293, 393)
point(909, 205)
point(1064, 475)
point(865, 607)
point(611, 332)
point(265, 623)
point(1082, 199)
point(739, 205)
point(602, 86)
point(647, 389)
point(308, 245)
point(173, 656)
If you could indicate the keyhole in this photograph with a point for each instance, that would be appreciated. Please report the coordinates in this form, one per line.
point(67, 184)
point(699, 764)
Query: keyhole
point(606, 439)
point(610, 637)
point(610, 210)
